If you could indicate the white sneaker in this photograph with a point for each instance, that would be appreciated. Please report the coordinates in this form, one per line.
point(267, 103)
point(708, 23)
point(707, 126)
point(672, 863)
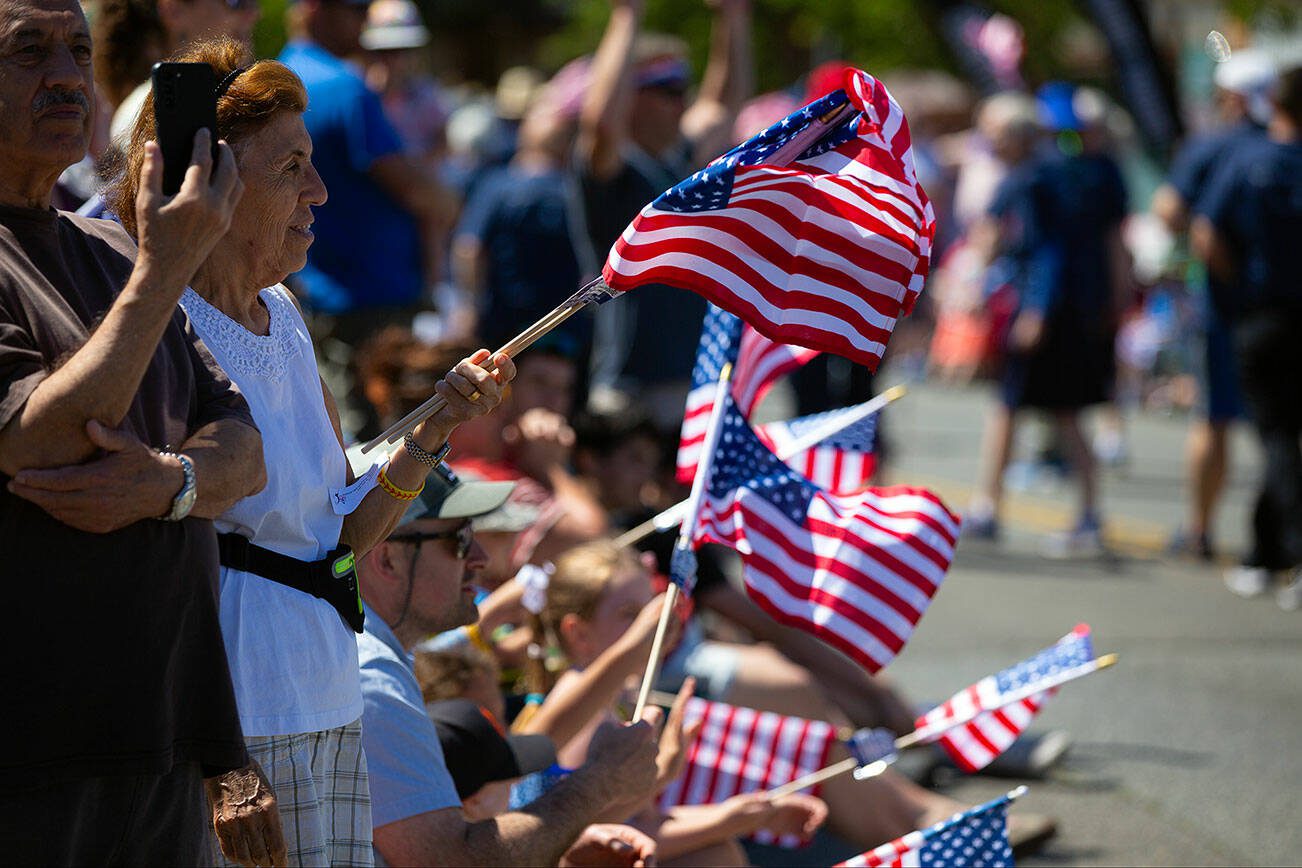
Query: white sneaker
point(1248, 581)
point(1289, 596)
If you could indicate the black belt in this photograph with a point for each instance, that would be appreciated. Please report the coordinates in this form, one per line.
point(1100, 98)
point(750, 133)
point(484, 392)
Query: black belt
point(333, 578)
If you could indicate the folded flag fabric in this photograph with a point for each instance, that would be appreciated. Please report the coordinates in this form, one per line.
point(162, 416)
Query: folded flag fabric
point(976, 838)
point(867, 746)
point(995, 715)
point(816, 231)
point(841, 464)
point(857, 571)
point(741, 750)
point(757, 362)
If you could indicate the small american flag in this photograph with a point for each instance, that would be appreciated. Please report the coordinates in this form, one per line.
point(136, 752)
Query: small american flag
point(858, 571)
point(976, 838)
point(841, 464)
point(976, 743)
point(758, 363)
point(815, 231)
point(741, 750)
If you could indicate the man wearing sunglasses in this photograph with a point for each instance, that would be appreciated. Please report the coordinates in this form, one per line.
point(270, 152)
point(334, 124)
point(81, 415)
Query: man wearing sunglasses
point(418, 582)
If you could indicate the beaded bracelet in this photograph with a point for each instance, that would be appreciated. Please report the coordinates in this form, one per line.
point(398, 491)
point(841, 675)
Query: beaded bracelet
point(429, 459)
point(394, 491)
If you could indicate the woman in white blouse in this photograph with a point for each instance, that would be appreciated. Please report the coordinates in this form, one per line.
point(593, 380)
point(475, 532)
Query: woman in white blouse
point(289, 605)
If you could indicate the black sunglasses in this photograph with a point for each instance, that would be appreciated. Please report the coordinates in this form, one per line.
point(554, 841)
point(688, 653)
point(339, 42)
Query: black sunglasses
point(241, 5)
point(464, 535)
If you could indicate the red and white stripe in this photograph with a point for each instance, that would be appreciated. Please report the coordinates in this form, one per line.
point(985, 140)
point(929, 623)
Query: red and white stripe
point(975, 744)
point(858, 573)
point(760, 364)
point(742, 750)
point(824, 253)
point(831, 468)
point(989, 719)
point(900, 853)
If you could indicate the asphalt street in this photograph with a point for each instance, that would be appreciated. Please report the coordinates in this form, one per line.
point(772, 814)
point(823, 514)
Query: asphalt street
point(1189, 751)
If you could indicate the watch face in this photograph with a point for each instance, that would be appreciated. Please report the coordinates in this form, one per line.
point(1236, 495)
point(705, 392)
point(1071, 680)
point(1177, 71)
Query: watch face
point(185, 501)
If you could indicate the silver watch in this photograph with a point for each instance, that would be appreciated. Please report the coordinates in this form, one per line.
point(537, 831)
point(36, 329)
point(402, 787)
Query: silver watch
point(184, 500)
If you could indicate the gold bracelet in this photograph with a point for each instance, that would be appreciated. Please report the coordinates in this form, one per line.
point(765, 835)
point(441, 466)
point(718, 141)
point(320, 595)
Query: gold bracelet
point(394, 491)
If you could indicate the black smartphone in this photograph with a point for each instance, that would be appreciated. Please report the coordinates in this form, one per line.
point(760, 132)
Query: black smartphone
point(185, 101)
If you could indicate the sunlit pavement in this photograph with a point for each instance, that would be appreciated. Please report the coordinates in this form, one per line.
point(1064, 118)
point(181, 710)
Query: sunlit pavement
point(1189, 751)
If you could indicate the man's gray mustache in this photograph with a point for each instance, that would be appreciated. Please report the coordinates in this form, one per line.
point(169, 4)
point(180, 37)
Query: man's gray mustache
point(48, 98)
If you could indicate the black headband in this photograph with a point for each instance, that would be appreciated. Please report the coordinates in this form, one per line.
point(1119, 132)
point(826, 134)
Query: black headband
point(226, 82)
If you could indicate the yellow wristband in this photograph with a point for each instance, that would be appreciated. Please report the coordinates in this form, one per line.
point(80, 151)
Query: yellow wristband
point(394, 491)
point(477, 639)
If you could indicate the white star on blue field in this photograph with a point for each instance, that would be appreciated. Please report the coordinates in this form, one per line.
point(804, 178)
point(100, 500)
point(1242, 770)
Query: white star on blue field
point(980, 839)
point(720, 337)
point(743, 461)
point(1077, 651)
point(710, 188)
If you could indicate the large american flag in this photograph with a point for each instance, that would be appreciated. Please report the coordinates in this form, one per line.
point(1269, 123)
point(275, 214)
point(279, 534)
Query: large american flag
point(758, 363)
point(975, 838)
point(842, 463)
point(976, 743)
point(815, 231)
point(741, 750)
point(855, 570)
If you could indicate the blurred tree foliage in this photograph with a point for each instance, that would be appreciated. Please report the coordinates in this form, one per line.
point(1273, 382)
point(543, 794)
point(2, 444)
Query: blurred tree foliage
point(792, 36)
point(477, 40)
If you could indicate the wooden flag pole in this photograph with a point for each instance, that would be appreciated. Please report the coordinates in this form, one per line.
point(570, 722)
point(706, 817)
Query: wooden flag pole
point(674, 514)
point(848, 764)
point(688, 529)
point(929, 734)
point(513, 347)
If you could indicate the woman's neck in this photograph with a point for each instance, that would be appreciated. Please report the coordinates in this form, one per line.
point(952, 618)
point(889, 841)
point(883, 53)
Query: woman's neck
point(233, 295)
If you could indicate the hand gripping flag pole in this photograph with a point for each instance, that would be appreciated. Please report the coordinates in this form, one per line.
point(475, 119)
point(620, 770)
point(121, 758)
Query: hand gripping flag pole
point(682, 567)
point(594, 292)
point(928, 734)
point(836, 423)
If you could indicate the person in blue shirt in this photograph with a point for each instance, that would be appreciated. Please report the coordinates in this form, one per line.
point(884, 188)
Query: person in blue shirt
point(1247, 230)
point(1058, 219)
point(420, 582)
point(520, 247)
point(1243, 84)
point(367, 268)
point(638, 136)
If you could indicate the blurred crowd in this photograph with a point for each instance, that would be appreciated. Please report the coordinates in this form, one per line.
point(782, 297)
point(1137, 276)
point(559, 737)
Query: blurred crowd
point(369, 234)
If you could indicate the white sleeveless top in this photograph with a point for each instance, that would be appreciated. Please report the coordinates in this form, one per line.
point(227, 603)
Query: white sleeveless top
point(292, 658)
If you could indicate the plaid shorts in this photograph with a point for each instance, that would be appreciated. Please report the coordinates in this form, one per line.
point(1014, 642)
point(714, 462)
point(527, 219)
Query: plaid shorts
point(320, 783)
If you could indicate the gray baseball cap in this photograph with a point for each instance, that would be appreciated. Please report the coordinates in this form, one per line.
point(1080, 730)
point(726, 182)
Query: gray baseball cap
point(446, 495)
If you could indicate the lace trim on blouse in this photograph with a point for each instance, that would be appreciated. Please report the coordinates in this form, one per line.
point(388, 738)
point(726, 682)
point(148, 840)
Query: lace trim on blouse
point(265, 356)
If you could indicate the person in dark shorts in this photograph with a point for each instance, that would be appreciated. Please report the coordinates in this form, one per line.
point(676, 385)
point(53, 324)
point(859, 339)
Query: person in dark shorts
point(1247, 230)
point(1059, 223)
point(1242, 85)
point(105, 753)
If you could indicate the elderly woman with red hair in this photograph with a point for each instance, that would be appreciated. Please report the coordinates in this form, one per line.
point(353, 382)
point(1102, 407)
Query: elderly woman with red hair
point(289, 600)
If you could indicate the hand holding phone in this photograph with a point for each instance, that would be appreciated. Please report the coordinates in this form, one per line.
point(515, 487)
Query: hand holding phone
point(185, 101)
point(189, 183)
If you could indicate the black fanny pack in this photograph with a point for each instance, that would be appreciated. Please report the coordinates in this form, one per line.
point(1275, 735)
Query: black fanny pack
point(333, 578)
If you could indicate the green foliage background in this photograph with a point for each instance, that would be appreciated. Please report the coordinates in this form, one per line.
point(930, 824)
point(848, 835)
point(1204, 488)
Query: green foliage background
point(481, 38)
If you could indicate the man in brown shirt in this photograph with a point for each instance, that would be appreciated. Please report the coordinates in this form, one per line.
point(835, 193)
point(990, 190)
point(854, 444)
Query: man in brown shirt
point(119, 439)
